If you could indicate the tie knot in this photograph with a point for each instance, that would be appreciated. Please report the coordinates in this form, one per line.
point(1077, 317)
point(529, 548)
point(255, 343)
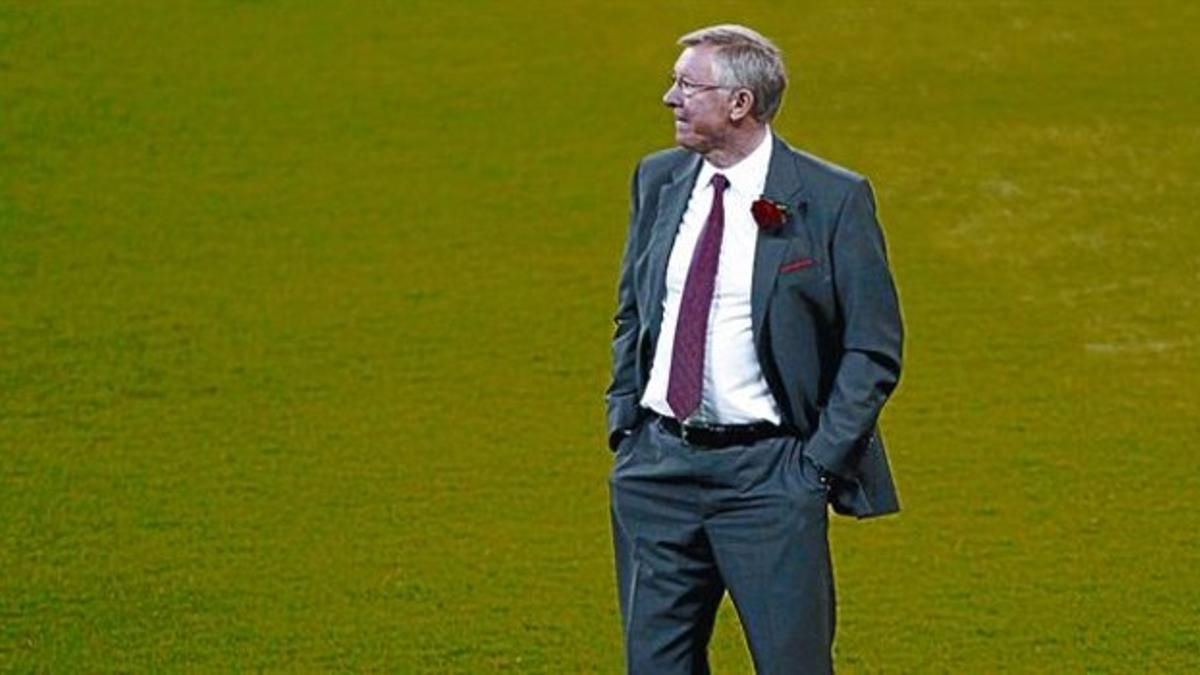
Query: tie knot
point(720, 182)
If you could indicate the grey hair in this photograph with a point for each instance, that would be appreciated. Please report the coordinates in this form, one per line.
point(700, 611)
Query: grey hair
point(745, 58)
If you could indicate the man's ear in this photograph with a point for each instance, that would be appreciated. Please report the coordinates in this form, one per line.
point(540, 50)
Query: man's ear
point(743, 103)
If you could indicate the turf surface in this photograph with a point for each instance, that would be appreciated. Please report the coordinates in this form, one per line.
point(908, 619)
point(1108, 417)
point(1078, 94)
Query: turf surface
point(304, 319)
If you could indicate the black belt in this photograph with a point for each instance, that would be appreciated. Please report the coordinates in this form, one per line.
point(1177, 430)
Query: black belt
point(720, 435)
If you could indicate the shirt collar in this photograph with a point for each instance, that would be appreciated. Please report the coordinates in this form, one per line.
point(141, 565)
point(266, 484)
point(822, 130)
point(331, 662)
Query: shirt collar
point(749, 176)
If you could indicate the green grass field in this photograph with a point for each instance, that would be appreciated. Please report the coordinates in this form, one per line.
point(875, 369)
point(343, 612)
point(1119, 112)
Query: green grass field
point(305, 308)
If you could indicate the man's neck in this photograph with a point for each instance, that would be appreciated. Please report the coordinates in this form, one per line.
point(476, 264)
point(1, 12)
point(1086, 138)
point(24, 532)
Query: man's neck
point(740, 145)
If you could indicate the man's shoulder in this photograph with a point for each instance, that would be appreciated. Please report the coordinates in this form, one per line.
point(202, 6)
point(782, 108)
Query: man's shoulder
point(818, 173)
point(663, 163)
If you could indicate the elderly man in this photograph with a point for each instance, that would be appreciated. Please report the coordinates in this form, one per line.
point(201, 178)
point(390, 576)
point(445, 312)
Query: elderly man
point(757, 338)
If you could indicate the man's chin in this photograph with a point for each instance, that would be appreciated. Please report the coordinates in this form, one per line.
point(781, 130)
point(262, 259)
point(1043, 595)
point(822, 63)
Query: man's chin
point(688, 142)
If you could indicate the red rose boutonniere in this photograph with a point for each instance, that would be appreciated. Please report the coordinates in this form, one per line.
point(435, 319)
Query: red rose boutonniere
point(770, 215)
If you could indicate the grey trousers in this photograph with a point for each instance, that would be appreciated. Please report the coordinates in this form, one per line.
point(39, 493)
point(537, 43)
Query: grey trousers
point(691, 523)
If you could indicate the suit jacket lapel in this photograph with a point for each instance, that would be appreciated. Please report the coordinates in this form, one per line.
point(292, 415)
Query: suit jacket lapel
point(672, 200)
point(783, 186)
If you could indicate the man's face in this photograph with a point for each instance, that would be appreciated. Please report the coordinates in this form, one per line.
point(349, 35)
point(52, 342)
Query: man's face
point(702, 118)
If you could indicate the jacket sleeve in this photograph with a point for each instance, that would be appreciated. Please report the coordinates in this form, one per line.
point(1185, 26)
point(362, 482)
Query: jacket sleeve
point(624, 389)
point(872, 335)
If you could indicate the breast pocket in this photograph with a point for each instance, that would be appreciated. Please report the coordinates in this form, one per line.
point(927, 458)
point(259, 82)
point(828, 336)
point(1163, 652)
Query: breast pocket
point(802, 265)
point(804, 277)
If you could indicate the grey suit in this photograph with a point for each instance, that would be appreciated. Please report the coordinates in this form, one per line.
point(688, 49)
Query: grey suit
point(828, 336)
point(827, 332)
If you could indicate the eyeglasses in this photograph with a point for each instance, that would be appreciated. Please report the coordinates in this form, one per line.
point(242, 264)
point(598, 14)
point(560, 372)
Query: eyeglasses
point(689, 88)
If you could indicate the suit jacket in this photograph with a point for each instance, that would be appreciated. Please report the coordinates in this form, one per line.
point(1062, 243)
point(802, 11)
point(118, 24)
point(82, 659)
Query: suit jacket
point(825, 316)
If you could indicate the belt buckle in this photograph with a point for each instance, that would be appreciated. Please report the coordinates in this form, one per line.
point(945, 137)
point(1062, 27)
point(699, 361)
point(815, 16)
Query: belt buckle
point(683, 433)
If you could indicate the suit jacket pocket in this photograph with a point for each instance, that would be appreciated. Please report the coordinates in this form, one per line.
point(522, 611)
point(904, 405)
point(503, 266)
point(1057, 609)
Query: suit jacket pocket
point(797, 264)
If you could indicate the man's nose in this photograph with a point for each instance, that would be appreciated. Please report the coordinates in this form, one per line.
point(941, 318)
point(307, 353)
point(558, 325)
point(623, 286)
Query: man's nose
point(672, 98)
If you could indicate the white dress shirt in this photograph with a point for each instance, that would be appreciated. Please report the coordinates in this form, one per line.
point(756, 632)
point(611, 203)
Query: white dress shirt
point(734, 389)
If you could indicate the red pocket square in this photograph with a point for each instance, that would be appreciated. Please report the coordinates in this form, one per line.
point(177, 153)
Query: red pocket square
point(797, 264)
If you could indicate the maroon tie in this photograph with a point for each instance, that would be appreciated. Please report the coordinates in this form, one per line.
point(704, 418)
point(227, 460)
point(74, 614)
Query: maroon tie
point(691, 330)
